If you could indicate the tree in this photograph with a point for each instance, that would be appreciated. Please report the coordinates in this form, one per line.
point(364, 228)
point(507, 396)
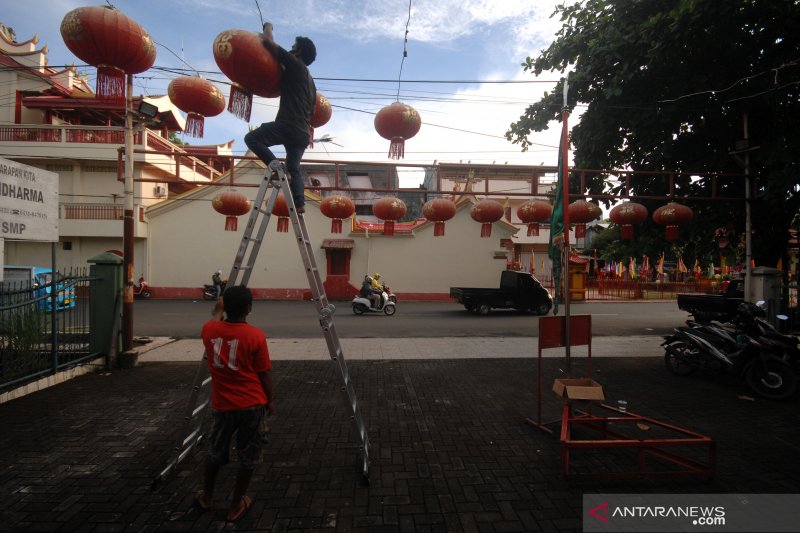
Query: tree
point(666, 85)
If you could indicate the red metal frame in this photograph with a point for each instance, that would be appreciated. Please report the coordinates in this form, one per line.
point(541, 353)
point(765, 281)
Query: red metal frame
point(644, 448)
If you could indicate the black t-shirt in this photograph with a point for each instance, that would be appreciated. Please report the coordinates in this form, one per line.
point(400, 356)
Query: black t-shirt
point(298, 95)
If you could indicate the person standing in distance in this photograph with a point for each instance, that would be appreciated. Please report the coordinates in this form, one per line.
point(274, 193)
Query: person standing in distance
point(241, 394)
point(292, 125)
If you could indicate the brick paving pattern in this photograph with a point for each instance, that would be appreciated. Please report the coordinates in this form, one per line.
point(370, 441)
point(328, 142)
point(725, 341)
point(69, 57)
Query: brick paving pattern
point(450, 449)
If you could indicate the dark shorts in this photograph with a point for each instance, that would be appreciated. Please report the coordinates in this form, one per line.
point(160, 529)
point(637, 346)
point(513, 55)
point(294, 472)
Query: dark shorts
point(250, 428)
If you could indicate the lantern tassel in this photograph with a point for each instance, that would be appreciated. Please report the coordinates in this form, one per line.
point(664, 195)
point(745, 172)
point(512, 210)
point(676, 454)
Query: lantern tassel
point(240, 102)
point(194, 125)
point(533, 230)
point(336, 225)
point(486, 229)
point(388, 227)
point(438, 229)
point(283, 224)
point(627, 232)
point(311, 136)
point(110, 83)
point(231, 223)
point(397, 148)
point(580, 231)
point(672, 233)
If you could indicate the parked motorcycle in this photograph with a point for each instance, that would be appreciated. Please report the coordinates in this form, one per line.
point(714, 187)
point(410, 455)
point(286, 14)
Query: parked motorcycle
point(142, 289)
point(363, 305)
point(748, 348)
point(210, 291)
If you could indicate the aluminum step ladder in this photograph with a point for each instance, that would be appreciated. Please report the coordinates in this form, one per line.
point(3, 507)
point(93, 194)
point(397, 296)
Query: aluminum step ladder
point(191, 433)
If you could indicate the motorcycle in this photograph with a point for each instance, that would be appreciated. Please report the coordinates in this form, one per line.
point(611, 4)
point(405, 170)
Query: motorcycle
point(390, 294)
point(210, 291)
point(746, 348)
point(363, 305)
point(142, 289)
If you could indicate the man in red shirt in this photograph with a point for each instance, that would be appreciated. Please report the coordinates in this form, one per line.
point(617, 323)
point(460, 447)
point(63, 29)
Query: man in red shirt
point(241, 393)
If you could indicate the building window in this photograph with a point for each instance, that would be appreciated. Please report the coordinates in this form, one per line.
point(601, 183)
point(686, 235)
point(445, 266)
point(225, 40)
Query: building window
point(66, 245)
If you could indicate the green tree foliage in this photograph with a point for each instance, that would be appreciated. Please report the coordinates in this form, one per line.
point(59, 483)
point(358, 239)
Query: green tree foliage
point(665, 85)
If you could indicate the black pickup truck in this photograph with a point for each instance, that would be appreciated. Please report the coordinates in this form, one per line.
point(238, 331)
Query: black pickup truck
point(721, 307)
point(518, 290)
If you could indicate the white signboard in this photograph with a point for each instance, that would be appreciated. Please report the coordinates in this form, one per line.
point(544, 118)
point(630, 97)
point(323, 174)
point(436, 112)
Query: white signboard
point(28, 203)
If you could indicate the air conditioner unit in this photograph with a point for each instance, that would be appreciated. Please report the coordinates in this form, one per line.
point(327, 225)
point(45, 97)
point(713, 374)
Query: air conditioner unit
point(159, 191)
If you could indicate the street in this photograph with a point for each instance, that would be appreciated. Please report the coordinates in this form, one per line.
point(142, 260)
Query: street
point(280, 319)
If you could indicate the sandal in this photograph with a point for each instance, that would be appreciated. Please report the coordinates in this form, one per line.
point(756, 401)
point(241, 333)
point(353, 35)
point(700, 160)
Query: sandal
point(244, 505)
point(201, 501)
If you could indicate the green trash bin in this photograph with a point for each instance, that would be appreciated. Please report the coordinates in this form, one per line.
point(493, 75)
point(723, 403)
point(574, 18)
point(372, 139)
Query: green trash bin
point(106, 287)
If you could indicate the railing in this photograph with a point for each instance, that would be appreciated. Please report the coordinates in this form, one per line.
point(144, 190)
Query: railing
point(38, 338)
point(96, 212)
point(106, 135)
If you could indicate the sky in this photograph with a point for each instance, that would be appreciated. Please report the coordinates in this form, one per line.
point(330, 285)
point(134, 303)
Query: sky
point(460, 56)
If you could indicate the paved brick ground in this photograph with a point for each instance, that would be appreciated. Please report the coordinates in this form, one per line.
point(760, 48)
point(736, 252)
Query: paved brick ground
point(450, 449)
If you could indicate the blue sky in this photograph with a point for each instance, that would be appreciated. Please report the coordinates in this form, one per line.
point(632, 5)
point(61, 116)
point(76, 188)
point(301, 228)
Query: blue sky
point(448, 40)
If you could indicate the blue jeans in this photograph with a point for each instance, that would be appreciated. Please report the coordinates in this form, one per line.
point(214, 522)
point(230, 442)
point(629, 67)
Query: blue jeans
point(271, 133)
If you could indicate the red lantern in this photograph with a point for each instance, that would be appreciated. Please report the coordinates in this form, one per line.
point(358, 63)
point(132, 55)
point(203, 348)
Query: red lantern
point(487, 212)
point(232, 204)
point(626, 215)
point(672, 215)
point(117, 45)
point(581, 212)
point(338, 208)
point(241, 56)
point(397, 122)
point(281, 210)
point(439, 210)
point(321, 115)
point(389, 209)
point(198, 98)
point(533, 213)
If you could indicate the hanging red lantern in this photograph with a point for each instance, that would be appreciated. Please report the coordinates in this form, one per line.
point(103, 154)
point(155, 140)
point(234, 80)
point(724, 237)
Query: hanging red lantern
point(389, 209)
point(232, 204)
point(534, 212)
point(581, 212)
point(198, 98)
point(241, 56)
point(337, 207)
point(106, 38)
point(439, 210)
point(397, 122)
point(626, 215)
point(321, 115)
point(281, 210)
point(672, 215)
point(487, 212)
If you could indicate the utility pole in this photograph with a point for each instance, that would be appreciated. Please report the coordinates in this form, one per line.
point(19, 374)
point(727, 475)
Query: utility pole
point(743, 147)
point(127, 229)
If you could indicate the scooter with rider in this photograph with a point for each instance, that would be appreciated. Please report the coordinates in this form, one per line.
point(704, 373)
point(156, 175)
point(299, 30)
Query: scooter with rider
point(372, 298)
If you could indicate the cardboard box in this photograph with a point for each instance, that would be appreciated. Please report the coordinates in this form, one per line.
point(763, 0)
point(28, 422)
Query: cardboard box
point(578, 389)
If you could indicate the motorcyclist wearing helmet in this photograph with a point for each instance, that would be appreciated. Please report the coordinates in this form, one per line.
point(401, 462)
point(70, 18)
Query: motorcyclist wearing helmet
point(378, 287)
point(219, 283)
point(368, 291)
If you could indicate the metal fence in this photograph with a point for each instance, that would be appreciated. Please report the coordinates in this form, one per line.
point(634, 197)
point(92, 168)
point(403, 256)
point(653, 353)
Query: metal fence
point(44, 326)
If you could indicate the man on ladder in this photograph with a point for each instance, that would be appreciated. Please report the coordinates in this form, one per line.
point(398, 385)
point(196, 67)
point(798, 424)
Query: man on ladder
point(292, 124)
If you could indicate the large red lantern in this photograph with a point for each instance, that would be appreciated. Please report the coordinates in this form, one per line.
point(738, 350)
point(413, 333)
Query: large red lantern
point(106, 38)
point(232, 204)
point(389, 209)
point(397, 122)
point(439, 210)
point(581, 212)
point(241, 56)
point(672, 215)
point(487, 212)
point(321, 115)
point(337, 207)
point(626, 215)
point(281, 210)
point(534, 212)
point(198, 98)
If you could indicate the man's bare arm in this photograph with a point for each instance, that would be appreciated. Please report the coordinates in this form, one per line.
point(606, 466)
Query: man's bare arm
point(266, 383)
point(266, 37)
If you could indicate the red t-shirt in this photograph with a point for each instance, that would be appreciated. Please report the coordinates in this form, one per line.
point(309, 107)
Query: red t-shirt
point(236, 353)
